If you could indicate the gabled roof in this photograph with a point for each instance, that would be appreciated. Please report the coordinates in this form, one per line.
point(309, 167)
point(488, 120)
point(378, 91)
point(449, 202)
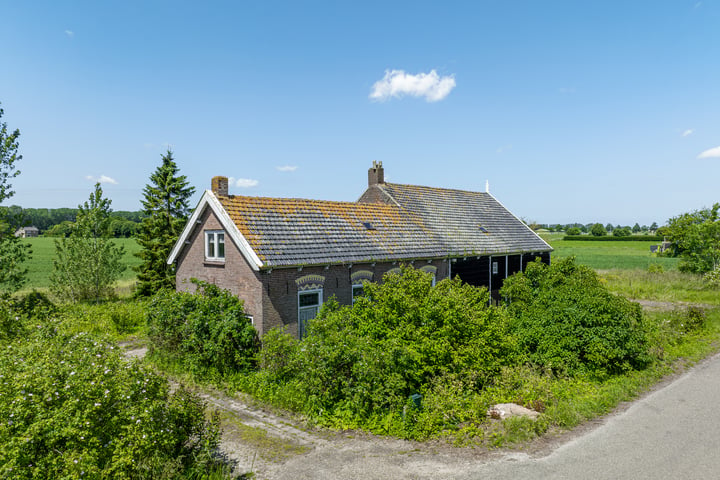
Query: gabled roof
point(463, 222)
point(410, 223)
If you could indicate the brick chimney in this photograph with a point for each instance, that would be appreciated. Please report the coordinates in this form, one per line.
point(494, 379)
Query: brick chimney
point(376, 174)
point(219, 186)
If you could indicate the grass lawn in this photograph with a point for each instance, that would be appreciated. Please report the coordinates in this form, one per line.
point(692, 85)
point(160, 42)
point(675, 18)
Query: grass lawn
point(43, 252)
point(609, 255)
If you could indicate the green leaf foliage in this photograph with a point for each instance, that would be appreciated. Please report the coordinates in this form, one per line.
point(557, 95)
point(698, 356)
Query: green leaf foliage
point(87, 262)
point(165, 205)
point(566, 321)
point(401, 335)
point(207, 331)
point(696, 237)
point(13, 274)
point(598, 230)
point(73, 407)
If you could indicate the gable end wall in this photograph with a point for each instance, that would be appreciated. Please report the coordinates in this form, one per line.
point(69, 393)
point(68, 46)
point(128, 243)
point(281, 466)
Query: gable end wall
point(235, 274)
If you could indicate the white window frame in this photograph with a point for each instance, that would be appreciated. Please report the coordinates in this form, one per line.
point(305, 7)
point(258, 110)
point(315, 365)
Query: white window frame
point(213, 237)
point(302, 323)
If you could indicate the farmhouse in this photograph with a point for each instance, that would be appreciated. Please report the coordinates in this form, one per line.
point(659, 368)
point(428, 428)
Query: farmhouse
point(284, 256)
point(27, 232)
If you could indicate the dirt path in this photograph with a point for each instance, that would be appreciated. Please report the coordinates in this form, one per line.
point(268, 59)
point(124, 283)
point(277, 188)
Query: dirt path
point(273, 446)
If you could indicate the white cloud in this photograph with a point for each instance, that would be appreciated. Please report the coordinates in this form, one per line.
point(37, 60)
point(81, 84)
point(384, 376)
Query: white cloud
point(242, 182)
point(101, 179)
point(397, 83)
point(566, 90)
point(710, 153)
point(688, 132)
point(69, 33)
point(287, 168)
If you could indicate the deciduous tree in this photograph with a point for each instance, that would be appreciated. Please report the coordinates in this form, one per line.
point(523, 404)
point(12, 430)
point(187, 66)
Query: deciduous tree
point(696, 236)
point(13, 253)
point(87, 262)
point(166, 208)
point(598, 230)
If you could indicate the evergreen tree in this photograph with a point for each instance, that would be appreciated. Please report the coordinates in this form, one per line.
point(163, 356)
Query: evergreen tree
point(87, 262)
point(13, 252)
point(166, 208)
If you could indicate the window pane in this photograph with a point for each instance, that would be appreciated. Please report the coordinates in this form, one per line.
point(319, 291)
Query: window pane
point(309, 299)
point(221, 245)
point(210, 245)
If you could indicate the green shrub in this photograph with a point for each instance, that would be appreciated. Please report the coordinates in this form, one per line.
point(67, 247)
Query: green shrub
point(72, 407)
point(622, 232)
point(565, 320)
point(655, 268)
point(713, 277)
point(399, 337)
point(573, 231)
point(280, 355)
point(207, 331)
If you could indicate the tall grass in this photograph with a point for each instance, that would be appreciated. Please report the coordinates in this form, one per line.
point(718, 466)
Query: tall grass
point(672, 286)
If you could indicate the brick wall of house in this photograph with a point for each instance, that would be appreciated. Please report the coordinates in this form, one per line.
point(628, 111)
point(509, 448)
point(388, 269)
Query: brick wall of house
point(280, 290)
point(234, 274)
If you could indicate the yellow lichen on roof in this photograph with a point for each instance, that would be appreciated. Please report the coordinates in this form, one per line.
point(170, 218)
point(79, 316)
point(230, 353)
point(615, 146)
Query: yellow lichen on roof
point(243, 211)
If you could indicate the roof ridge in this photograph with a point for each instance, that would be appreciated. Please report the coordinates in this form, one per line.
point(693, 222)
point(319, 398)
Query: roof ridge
point(290, 199)
point(434, 188)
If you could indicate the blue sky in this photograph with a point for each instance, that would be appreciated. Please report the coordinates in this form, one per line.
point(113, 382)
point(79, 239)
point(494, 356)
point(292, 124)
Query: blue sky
point(602, 111)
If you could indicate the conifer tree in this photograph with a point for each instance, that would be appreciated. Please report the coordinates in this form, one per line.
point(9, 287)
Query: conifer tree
point(12, 251)
point(88, 262)
point(166, 208)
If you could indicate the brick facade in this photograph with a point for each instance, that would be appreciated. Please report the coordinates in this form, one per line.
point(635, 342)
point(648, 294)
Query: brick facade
point(280, 289)
point(234, 274)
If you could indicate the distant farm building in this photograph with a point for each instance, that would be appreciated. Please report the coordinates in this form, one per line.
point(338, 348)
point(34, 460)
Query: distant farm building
point(27, 232)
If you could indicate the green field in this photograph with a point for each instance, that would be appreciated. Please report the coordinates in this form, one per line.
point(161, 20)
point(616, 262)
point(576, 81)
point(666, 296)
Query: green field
point(43, 252)
point(609, 255)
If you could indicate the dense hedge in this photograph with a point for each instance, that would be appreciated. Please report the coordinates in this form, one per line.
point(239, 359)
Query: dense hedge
point(565, 320)
point(609, 238)
point(207, 332)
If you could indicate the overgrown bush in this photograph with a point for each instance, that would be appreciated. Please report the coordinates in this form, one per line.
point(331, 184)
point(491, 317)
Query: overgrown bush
point(713, 277)
point(72, 407)
point(207, 331)
point(363, 361)
point(565, 320)
point(15, 314)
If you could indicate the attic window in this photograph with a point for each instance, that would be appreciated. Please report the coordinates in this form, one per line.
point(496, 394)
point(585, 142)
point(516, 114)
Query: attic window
point(215, 245)
point(369, 226)
point(483, 229)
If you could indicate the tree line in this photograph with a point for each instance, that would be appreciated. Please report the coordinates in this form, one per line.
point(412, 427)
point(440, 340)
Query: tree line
point(609, 228)
point(57, 222)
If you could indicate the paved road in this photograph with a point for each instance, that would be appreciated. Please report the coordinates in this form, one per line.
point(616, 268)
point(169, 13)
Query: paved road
point(673, 433)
